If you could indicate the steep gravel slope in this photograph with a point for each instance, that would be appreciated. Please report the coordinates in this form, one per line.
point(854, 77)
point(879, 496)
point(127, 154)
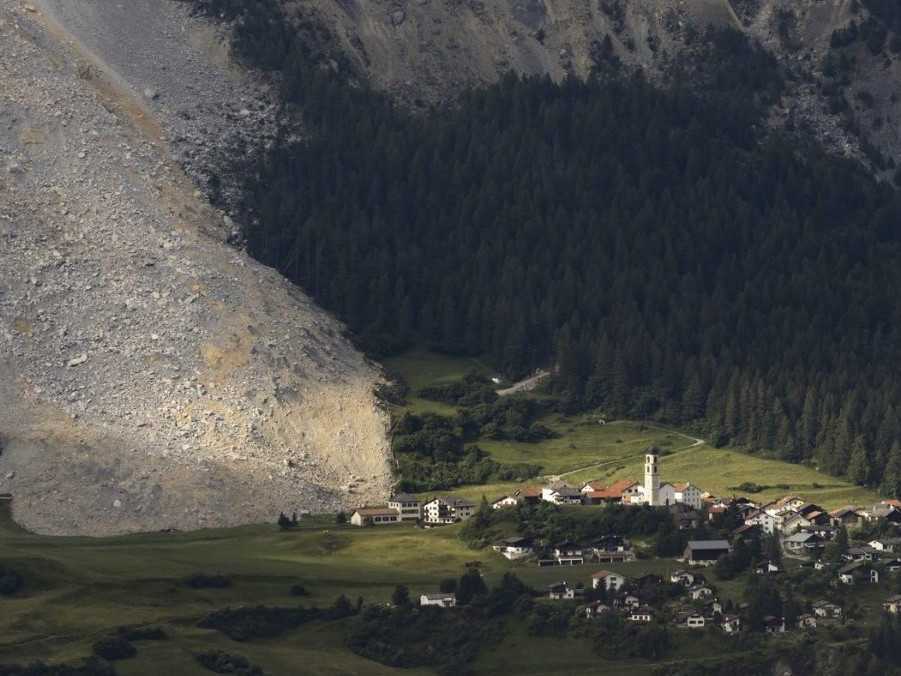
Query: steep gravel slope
point(151, 376)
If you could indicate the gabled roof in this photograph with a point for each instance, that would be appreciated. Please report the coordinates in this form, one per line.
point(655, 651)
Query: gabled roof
point(803, 537)
point(530, 491)
point(376, 511)
point(568, 492)
point(601, 574)
point(888, 541)
point(680, 487)
point(844, 511)
point(708, 544)
point(403, 497)
point(557, 485)
point(854, 566)
point(596, 485)
point(516, 542)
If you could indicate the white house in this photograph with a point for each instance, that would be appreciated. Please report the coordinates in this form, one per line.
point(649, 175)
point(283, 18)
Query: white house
point(441, 600)
point(699, 592)
point(408, 506)
point(694, 621)
point(688, 494)
point(374, 516)
point(886, 544)
point(858, 572)
point(641, 615)
point(561, 591)
point(514, 548)
point(569, 554)
point(440, 511)
point(561, 493)
point(803, 541)
point(759, 517)
point(827, 609)
point(607, 580)
point(731, 624)
point(683, 577)
point(506, 501)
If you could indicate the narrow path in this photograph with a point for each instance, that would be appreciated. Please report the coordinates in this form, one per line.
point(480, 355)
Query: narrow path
point(526, 385)
point(695, 442)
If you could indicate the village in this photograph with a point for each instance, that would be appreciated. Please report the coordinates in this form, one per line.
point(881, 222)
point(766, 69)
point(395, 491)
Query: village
point(764, 539)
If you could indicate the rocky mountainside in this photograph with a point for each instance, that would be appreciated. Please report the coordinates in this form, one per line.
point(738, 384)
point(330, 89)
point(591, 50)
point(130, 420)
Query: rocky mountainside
point(427, 50)
point(151, 376)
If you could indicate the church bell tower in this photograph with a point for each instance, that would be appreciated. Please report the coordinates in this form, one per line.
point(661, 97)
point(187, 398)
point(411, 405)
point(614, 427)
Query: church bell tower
point(652, 477)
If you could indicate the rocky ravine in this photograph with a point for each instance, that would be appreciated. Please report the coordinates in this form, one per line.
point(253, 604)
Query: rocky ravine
point(151, 376)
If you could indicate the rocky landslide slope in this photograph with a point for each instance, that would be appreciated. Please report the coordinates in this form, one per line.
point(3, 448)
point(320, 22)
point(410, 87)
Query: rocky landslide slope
point(151, 376)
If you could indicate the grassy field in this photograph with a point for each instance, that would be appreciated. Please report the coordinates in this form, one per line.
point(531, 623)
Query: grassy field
point(420, 368)
point(721, 470)
point(587, 450)
point(80, 589)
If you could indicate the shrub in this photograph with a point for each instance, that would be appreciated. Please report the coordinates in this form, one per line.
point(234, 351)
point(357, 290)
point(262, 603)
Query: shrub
point(10, 582)
point(244, 624)
point(299, 590)
point(114, 648)
point(223, 663)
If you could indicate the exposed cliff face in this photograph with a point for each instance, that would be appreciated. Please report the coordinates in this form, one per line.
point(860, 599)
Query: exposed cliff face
point(150, 375)
point(427, 50)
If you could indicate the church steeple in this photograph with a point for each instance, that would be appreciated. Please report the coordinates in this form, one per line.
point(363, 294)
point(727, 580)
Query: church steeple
point(652, 476)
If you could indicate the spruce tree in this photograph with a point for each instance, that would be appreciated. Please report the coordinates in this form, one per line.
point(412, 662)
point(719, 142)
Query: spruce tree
point(890, 486)
point(859, 464)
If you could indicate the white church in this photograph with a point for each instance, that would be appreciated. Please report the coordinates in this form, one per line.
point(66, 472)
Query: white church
point(664, 494)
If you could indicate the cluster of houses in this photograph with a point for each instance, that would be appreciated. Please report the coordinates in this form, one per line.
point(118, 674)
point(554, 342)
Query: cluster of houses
point(405, 508)
point(696, 607)
point(442, 511)
point(626, 492)
point(605, 549)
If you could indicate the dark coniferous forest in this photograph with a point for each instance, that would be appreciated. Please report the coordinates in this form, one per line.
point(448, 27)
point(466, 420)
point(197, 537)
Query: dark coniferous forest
point(673, 257)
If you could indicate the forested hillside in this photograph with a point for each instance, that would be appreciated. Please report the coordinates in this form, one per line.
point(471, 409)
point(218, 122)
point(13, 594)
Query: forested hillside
point(671, 257)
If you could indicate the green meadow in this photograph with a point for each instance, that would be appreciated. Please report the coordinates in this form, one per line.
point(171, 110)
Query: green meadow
point(81, 589)
point(586, 450)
